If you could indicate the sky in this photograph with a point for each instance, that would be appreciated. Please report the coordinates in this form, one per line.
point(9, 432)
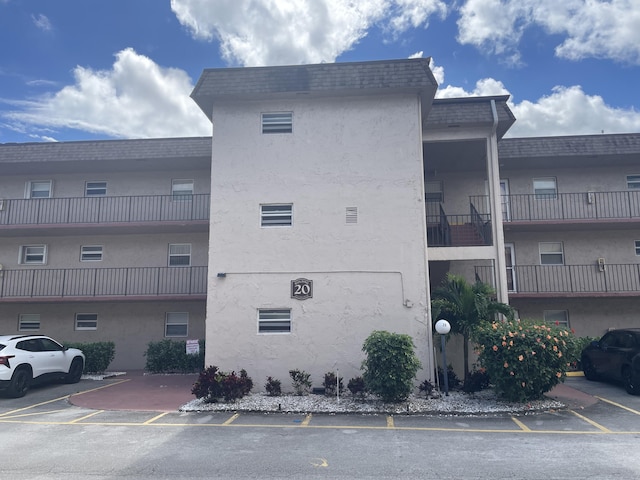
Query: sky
point(109, 69)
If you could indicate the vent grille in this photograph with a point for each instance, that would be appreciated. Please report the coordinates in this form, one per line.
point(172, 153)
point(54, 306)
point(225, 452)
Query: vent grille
point(351, 215)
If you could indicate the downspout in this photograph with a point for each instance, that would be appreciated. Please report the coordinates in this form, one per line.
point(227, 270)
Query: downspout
point(493, 170)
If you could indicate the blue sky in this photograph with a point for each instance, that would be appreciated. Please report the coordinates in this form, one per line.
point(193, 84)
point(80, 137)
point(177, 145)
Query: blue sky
point(78, 69)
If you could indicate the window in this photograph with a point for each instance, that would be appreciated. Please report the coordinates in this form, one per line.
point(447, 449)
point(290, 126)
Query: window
point(86, 321)
point(95, 189)
point(91, 253)
point(182, 189)
point(176, 324)
point(545, 188)
point(39, 189)
point(633, 182)
point(281, 122)
point(274, 321)
point(433, 192)
point(557, 317)
point(179, 254)
point(276, 215)
point(551, 253)
point(638, 247)
point(29, 322)
point(33, 254)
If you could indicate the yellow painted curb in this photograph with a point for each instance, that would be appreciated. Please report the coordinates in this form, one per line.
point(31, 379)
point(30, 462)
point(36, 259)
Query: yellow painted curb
point(575, 374)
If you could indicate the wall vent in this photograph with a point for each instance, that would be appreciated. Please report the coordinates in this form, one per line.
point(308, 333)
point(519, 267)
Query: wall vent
point(351, 215)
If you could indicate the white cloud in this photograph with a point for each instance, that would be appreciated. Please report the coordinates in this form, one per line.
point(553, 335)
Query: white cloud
point(135, 99)
point(591, 28)
point(42, 22)
point(279, 32)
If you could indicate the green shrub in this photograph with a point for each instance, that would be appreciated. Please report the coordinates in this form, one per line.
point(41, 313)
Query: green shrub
point(575, 352)
point(357, 387)
point(301, 381)
point(213, 384)
point(476, 381)
point(330, 382)
point(524, 359)
point(452, 378)
point(98, 355)
point(170, 356)
point(273, 387)
point(390, 366)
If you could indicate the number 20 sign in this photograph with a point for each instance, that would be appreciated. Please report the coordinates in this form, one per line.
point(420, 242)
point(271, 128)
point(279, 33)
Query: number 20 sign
point(301, 288)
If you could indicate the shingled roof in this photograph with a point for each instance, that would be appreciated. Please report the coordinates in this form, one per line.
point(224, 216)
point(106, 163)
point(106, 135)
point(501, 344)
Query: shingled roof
point(356, 78)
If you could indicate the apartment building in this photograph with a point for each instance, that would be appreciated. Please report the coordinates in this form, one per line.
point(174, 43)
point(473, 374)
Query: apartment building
point(328, 202)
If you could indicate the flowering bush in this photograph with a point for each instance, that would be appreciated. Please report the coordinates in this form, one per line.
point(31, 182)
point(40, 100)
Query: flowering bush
point(524, 359)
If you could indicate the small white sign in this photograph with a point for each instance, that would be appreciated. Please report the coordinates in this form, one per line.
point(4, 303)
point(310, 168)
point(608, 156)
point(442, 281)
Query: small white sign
point(193, 347)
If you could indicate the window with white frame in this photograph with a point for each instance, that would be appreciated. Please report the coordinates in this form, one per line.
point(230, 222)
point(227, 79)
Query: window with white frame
point(551, 253)
point(95, 189)
point(28, 322)
point(557, 317)
point(39, 189)
point(277, 122)
point(179, 254)
point(33, 254)
point(176, 324)
point(280, 215)
point(633, 182)
point(181, 189)
point(545, 187)
point(274, 320)
point(638, 248)
point(86, 321)
point(433, 191)
point(91, 253)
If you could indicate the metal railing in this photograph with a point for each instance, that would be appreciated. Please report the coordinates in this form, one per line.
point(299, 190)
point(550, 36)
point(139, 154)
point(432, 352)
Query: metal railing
point(84, 210)
point(568, 279)
point(103, 282)
point(458, 230)
point(567, 206)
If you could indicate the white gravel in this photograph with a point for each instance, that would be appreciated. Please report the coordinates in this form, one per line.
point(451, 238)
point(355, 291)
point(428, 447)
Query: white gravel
point(457, 403)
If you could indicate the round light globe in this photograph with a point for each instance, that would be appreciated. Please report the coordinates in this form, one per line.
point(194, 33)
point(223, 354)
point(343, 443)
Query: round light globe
point(443, 327)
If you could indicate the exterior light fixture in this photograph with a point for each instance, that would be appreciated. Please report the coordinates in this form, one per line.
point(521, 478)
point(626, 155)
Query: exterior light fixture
point(443, 327)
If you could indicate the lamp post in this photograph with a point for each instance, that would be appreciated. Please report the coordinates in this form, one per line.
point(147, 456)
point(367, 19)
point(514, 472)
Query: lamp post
point(443, 327)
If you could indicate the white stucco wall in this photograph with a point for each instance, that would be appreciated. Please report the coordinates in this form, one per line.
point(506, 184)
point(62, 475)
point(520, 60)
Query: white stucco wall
point(345, 152)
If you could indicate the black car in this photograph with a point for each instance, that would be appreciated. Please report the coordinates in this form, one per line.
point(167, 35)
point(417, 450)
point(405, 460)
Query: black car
point(616, 356)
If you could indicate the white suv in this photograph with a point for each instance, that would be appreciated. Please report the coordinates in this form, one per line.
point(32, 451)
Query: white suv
point(27, 359)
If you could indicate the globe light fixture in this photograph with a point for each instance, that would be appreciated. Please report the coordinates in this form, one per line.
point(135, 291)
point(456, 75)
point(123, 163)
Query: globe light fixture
point(443, 327)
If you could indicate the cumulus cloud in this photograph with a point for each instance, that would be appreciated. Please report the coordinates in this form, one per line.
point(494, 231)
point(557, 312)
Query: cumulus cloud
point(590, 28)
point(279, 32)
point(42, 22)
point(135, 99)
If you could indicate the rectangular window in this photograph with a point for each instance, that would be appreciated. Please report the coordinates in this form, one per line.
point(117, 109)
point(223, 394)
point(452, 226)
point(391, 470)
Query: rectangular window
point(33, 254)
point(557, 317)
point(433, 192)
point(179, 254)
point(274, 321)
point(91, 253)
point(86, 321)
point(281, 122)
point(276, 215)
point(95, 189)
point(633, 182)
point(181, 189)
point(28, 322)
point(551, 253)
point(545, 188)
point(41, 189)
point(176, 324)
point(638, 247)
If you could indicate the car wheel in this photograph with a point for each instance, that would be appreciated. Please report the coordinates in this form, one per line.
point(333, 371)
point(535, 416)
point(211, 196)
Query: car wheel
point(20, 381)
point(75, 371)
point(630, 381)
point(588, 369)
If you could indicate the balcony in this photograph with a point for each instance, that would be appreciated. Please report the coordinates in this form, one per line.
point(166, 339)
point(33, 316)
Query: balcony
point(473, 229)
point(592, 280)
point(127, 283)
point(22, 215)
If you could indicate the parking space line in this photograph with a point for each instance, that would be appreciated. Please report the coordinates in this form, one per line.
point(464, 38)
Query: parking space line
point(22, 415)
point(86, 416)
point(618, 405)
point(591, 422)
point(522, 426)
point(101, 387)
point(390, 423)
point(307, 419)
point(157, 417)
point(12, 412)
point(230, 420)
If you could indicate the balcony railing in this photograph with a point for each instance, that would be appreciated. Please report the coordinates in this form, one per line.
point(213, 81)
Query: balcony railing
point(103, 282)
point(101, 210)
point(568, 279)
point(444, 230)
point(567, 206)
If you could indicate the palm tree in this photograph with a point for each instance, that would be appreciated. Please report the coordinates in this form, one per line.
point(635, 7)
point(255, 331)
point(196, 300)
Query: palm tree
point(466, 306)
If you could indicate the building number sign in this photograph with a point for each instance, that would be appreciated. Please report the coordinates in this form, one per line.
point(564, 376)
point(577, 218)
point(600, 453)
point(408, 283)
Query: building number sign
point(301, 288)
